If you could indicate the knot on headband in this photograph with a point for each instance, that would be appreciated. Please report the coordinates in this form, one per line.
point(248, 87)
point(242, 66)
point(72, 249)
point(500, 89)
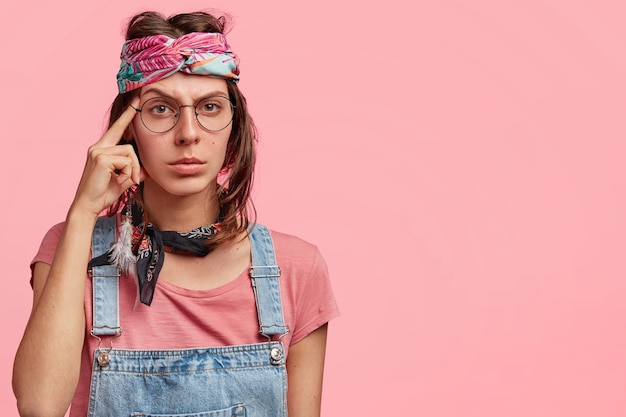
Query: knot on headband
point(149, 59)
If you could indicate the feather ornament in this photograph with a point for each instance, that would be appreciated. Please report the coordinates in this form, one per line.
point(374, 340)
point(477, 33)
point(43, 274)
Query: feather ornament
point(121, 253)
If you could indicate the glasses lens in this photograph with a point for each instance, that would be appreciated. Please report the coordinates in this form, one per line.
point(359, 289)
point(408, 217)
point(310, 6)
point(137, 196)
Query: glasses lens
point(159, 114)
point(214, 113)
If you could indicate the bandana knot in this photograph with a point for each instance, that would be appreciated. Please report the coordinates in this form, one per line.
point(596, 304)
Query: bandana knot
point(152, 58)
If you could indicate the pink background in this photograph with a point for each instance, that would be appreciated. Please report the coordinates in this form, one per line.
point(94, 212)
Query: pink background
point(460, 164)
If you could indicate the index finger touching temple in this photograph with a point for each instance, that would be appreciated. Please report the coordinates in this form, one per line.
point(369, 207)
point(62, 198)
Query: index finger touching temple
point(115, 132)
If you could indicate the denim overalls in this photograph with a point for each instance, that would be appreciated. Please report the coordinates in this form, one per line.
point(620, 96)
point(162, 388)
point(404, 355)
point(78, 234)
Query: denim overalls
point(246, 380)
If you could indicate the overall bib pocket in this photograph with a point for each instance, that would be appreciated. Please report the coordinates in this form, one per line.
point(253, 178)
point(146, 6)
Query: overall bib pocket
point(238, 410)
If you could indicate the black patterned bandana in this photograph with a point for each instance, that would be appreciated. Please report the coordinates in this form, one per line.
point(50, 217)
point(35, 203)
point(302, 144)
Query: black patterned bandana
point(149, 245)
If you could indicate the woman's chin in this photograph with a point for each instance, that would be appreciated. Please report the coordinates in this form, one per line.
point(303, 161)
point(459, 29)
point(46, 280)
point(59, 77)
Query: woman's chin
point(184, 187)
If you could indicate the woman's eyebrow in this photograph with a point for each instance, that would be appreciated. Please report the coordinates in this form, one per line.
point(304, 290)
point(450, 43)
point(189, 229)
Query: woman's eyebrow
point(160, 92)
point(155, 90)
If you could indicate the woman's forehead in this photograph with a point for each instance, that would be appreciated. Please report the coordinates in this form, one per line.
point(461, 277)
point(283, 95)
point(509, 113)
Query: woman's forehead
point(186, 86)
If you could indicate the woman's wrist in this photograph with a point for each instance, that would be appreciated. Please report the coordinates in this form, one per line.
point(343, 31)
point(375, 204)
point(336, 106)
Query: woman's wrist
point(81, 217)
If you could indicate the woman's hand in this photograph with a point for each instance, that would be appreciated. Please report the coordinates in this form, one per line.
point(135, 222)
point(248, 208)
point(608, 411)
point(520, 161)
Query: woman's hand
point(110, 169)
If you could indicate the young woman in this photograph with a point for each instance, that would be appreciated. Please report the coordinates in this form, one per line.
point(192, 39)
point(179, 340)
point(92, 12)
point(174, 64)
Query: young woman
point(176, 302)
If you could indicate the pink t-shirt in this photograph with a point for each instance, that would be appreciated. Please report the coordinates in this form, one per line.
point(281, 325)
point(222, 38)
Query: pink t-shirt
point(181, 318)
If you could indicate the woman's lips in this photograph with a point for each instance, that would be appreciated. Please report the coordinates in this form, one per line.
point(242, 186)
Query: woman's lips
point(187, 166)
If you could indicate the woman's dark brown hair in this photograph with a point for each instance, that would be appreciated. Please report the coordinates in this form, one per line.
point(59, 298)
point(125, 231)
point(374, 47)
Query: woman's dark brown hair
point(238, 169)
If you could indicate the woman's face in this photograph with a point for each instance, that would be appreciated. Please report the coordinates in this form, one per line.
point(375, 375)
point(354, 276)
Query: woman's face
point(186, 159)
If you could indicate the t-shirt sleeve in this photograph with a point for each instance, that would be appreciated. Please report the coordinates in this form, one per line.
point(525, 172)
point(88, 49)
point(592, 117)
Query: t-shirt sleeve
point(316, 304)
point(306, 286)
point(48, 247)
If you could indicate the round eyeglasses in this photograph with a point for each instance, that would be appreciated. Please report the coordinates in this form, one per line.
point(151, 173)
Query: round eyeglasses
point(160, 114)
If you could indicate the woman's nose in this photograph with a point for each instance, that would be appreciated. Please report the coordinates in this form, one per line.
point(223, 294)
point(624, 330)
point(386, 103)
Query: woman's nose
point(187, 127)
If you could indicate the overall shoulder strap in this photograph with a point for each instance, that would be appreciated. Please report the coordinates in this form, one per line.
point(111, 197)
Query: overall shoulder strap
point(265, 276)
point(105, 281)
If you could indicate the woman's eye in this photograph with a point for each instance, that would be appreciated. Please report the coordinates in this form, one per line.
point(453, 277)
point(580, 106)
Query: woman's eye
point(210, 107)
point(161, 109)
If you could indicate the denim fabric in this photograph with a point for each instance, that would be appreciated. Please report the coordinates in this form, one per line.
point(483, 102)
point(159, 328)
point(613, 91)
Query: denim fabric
point(265, 281)
point(106, 319)
point(246, 380)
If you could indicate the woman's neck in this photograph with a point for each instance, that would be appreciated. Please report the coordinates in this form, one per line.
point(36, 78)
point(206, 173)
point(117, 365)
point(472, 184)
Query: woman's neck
point(180, 213)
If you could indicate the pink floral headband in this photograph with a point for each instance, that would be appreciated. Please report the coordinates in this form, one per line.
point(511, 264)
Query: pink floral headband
point(149, 59)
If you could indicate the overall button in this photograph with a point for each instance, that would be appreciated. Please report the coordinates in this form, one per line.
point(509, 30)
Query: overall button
point(276, 356)
point(103, 359)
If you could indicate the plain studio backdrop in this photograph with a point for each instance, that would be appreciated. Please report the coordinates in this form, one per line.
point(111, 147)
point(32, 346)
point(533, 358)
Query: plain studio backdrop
point(460, 165)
